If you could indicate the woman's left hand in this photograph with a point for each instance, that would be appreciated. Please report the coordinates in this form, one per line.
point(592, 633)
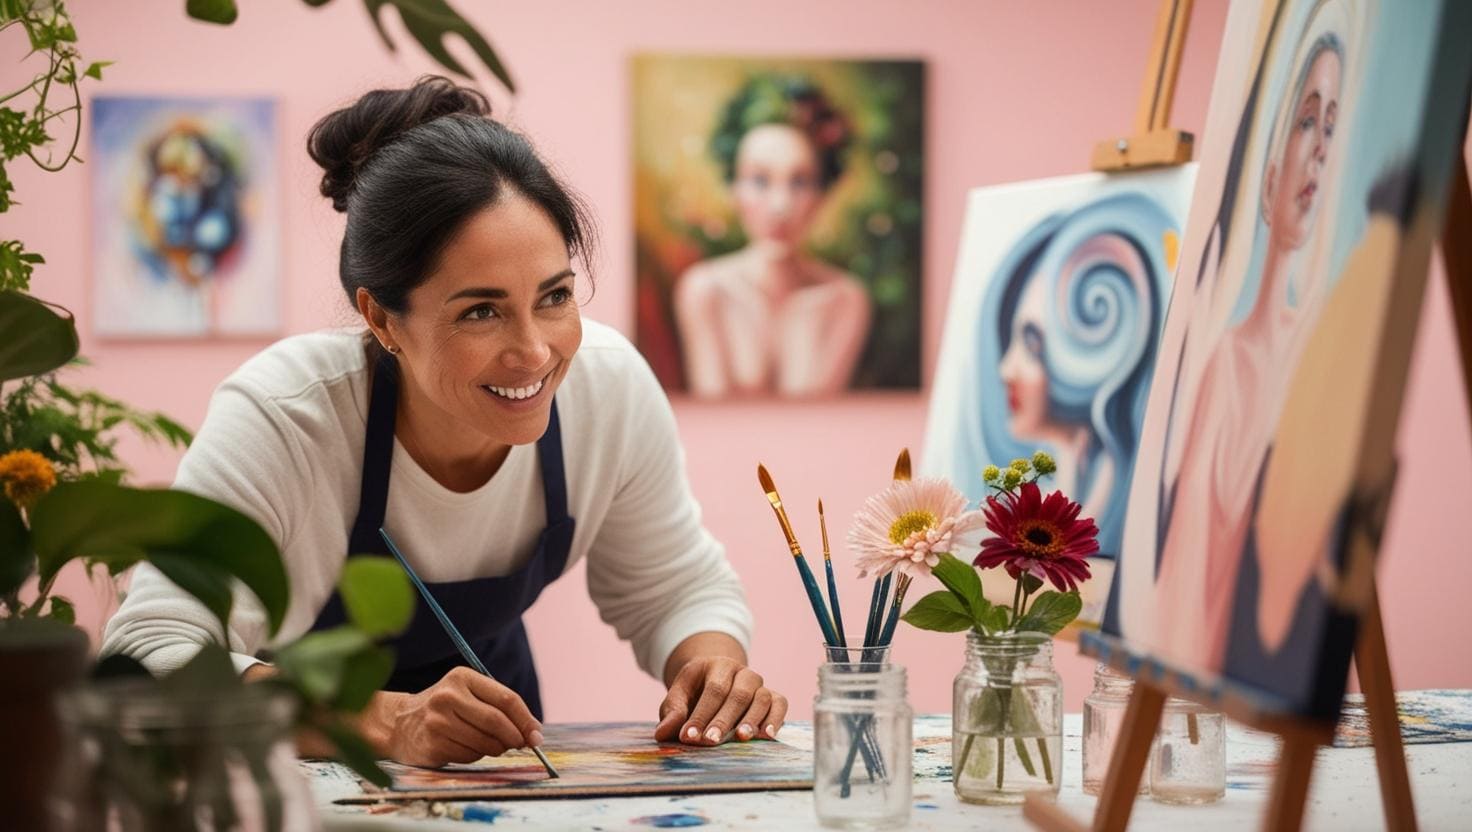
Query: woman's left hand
point(716, 698)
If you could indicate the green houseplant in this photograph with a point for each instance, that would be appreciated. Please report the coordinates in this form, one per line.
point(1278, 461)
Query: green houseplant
point(63, 498)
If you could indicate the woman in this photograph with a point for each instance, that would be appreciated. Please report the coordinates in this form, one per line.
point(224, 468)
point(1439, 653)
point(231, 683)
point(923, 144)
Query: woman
point(517, 439)
point(768, 317)
point(1206, 510)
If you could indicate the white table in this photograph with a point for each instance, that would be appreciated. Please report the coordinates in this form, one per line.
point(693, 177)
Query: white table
point(1344, 795)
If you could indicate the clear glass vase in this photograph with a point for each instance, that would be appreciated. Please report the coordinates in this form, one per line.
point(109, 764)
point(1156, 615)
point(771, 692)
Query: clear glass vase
point(1103, 715)
point(1188, 763)
point(144, 759)
point(1007, 734)
point(862, 744)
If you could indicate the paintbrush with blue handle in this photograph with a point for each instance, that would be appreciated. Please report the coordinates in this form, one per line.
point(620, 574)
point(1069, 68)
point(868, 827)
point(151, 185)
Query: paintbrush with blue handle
point(460, 643)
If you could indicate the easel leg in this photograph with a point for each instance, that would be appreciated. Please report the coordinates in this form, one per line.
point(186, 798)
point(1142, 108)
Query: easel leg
point(1456, 250)
point(1290, 786)
point(1131, 752)
point(1372, 661)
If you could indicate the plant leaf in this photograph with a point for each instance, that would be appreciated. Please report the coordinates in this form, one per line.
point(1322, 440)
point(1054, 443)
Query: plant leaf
point(37, 339)
point(62, 610)
point(202, 580)
point(1051, 612)
point(429, 21)
point(355, 753)
point(212, 11)
point(961, 579)
point(940, 611)
point(17, 561)
point(995, 619)
point(1031, 583)
point(119, 526)
point(316, 662)
point(377, 595)
point(364, 673)
point(210, 670)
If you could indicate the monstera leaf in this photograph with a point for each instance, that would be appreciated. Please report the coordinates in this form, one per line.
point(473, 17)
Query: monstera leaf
point(37, 339)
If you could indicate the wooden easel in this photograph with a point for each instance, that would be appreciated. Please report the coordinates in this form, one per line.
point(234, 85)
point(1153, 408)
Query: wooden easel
point(1153, 145)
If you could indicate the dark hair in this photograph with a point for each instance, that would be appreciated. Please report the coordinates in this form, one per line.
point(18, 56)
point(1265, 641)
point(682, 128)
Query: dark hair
point(410, 166)
point(791, 100)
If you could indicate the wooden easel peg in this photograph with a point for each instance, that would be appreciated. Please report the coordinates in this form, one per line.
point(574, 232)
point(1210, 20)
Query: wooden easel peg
point(1153, 143)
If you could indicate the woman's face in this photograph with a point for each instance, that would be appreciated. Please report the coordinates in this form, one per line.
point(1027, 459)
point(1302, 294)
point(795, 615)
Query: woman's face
point(1022, 369)
point(776, 184)
point(490, 335)
point(1291, 191)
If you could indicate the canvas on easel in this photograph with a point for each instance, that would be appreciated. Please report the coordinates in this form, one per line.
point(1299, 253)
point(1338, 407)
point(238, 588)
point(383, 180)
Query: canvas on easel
point(1246, 578)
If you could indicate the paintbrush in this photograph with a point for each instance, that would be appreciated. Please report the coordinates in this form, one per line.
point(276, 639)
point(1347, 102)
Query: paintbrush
point(460, 644)
point(832, 584)
point(901, 472)
point(815, 595)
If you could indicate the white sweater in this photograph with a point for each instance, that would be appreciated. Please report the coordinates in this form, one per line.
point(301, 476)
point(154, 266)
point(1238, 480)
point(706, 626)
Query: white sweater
point(283, 443)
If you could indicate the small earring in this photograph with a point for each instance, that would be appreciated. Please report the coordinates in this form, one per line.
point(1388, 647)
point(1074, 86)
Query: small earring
point(391, 350)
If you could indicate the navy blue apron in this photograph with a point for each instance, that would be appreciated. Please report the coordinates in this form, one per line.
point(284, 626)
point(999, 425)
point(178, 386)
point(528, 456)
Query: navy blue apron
point(487, 611)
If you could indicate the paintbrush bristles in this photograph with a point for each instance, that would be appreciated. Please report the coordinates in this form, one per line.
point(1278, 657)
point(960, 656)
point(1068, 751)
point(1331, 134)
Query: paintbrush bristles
point(776, 500)
point(823, 526)
point(902, 465)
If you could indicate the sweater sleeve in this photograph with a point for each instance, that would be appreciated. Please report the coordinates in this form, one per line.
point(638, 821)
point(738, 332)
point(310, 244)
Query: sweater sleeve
point(247, 455)
point(656, 574)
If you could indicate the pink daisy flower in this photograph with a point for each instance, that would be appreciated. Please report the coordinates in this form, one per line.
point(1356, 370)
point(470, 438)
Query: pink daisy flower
point(907, 526)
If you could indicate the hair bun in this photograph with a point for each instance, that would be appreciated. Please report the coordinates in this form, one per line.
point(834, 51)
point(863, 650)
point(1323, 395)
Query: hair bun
point(344, 140)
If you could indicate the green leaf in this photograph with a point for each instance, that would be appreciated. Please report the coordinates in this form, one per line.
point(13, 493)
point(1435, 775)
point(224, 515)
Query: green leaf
point(1031, 583)
point(940, 611)
point(356, 753)
point(429, 21)
point(36, 340)
point(995, 619)
point(17, 561)
point(364, 673)
point(210, 671)
point(119, 526)
point(1051, 612)
point(212, 11)
point(94, 69)
point(961, 579)
point(202, 580)
point(316, 662)
point(62, 610)
point(377, 595)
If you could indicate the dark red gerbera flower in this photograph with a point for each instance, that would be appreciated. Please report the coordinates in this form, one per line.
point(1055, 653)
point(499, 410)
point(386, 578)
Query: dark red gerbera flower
point(1043, 538)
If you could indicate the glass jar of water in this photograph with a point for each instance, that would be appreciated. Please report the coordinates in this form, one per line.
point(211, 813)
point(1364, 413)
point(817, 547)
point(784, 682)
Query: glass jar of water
point(862, 745)
point(1007, 730)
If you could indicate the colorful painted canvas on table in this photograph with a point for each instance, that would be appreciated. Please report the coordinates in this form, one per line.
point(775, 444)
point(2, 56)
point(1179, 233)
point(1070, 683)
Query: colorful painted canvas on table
point(185, 217)
point(1267, 447)
point(1054, 317)
point(615, 759)
point(777, 212)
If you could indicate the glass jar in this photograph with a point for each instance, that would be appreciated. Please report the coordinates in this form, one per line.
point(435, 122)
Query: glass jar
point(1188, 762)
point(1103, 715)
point(862, 746)
point(147, 759)
point(1007, 730)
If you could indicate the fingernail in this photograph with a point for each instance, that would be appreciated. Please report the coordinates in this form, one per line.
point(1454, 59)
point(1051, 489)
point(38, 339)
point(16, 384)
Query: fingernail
point(535, 738)
point(744, 731)
point(713, 734)
point(692, 732)
point(772, 731)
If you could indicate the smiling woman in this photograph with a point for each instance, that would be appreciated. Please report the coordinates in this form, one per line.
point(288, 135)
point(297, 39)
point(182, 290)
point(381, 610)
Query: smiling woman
point(518, 438)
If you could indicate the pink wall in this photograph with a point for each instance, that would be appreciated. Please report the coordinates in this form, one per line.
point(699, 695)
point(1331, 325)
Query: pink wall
point(1017, 91)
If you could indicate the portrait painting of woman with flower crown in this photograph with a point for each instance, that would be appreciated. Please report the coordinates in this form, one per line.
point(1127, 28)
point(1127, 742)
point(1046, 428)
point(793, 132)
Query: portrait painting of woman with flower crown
point(1056, 307)
point(1327, 140)
point(777, 214)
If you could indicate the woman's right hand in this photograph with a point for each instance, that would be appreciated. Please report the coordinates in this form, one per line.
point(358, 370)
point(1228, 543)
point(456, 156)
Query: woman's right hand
point(461, 718)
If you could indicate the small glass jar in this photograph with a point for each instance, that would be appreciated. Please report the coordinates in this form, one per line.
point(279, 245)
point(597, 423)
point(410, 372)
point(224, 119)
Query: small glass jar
point(862, 746)
point(147, 759)
point(1103, 715)
point(1188, 763)
point(1007, 729)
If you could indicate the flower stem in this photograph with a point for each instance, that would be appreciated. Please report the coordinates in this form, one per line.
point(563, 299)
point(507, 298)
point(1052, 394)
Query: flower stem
point(1047, 764)
point(1016, 605)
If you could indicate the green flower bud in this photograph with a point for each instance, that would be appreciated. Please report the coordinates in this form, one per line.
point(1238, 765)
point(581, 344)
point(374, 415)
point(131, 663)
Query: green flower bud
point(991, 473)
point(1021, 466)
point(1044, 463)
point(1012, 478)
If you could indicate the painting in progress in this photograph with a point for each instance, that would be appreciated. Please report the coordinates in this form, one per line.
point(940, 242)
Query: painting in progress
point(185, 217)
point(777, 213)
point(610, 759)
point(1268, 437)
point(1050, 341)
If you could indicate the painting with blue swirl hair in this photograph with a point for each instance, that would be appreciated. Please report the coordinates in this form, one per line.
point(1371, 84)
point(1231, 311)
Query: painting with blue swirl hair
point(1055, 312)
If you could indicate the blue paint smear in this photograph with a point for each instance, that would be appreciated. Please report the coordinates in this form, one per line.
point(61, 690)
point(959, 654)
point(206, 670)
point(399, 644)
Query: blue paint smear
point(481, 814)
point(926, 806)
point(677, 821)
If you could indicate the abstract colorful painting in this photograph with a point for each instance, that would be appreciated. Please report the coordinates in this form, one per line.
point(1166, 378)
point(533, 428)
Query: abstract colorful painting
point(1055, 312)
point(777, 213)
point(609, 759)
point(1267, 451)
point(185, 217)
